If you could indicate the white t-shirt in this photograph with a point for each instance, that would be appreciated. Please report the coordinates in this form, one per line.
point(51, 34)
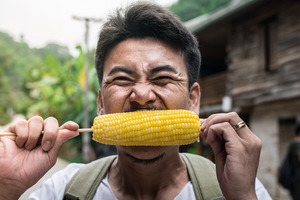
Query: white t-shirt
point(54, 187)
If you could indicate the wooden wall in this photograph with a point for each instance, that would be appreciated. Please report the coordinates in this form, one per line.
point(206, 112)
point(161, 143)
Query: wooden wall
point(257, 75)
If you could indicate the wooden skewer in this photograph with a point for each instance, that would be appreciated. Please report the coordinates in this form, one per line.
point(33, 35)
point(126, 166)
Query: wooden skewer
point(6, 133)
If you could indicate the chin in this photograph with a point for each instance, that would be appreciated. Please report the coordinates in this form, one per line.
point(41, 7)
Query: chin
point(144, 152)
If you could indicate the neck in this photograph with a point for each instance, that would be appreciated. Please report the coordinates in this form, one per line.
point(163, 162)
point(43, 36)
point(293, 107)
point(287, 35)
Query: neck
point(140, 179)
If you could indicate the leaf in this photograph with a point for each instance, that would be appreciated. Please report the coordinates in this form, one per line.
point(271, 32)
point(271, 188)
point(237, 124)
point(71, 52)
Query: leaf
point(39, 107)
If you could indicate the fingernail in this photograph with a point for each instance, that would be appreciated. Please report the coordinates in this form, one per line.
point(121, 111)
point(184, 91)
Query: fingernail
point(74, 123)
point(203, 125)
point(47, 146)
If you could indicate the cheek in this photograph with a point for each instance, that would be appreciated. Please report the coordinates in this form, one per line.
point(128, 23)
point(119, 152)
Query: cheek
point(114, 99)
point(174, 97)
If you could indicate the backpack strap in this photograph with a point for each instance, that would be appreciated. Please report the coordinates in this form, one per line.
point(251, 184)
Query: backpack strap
point(203, 177)
point(85, 182)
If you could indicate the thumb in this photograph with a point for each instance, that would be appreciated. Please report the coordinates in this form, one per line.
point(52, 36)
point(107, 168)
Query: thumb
point(67, 131)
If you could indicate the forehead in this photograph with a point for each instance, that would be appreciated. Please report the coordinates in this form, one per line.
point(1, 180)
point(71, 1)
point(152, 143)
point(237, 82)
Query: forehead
point(143, 53)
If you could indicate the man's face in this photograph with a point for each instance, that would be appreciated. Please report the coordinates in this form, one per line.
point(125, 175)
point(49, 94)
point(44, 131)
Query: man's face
point(145, 74)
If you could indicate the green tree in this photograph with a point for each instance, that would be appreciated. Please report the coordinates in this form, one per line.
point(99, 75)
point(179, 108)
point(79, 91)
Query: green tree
point(189, 9)
point(58, 51)
point(45, 82)
point(58, 91)
point(16, 61)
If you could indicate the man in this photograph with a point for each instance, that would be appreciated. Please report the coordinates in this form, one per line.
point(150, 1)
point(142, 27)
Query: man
point(293, 157)
point(145, 60)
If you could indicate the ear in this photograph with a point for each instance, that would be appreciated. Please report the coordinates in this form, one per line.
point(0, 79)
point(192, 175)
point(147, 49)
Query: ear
point(99, 103)
point(194, 98)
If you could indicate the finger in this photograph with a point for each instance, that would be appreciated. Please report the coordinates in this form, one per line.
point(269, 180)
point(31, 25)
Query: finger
point(66, 132)
point(35, 127)
point(232, 118)
point(241, 125)
point(215, 140)
point(50, 133)
point(70, 125)
point(202, 121)
point(21, 130)
point(203, 132)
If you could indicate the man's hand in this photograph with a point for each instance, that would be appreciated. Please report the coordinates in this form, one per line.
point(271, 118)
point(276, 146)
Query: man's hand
point(236, 155)
point(25, 158)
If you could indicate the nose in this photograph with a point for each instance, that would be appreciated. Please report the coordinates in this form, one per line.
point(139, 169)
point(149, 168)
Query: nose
point(142, 94)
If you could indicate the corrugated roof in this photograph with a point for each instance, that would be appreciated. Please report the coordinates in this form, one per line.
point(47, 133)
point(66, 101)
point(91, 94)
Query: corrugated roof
point(203, 21)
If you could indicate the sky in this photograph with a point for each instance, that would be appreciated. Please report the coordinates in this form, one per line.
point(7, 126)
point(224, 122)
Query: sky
point(40, 22)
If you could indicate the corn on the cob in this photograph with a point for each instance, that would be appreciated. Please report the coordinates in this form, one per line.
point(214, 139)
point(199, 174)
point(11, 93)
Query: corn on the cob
point(147, 128)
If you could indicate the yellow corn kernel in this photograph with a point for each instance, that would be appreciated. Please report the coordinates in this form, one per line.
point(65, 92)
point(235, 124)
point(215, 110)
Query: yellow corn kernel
point(147, 128)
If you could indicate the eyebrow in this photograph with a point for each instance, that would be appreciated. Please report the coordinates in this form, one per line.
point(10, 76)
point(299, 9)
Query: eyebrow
point(167, 68)
point(121, 69)
point(152, 71)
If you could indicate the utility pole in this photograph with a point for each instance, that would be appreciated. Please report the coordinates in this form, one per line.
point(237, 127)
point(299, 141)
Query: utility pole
point(86, 137)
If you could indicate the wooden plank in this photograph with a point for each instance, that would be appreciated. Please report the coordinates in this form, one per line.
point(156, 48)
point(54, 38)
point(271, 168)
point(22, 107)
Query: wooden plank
point(213, 89)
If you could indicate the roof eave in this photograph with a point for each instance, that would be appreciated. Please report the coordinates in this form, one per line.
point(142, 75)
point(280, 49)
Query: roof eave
point(203, 21)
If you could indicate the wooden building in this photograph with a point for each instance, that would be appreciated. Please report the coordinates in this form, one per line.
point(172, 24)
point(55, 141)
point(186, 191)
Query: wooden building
point(251, 65)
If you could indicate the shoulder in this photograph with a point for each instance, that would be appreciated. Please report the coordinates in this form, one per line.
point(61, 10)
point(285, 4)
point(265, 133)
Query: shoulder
point(197, 159)
point(63, 176)
point(68, 172)
point(94, 172)
point(54, 187)
point(96, 167)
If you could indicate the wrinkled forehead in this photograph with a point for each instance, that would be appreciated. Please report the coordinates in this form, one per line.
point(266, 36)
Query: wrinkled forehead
point(144, 53)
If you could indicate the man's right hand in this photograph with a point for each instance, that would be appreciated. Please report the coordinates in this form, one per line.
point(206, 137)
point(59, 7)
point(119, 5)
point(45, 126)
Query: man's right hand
point(26, 157)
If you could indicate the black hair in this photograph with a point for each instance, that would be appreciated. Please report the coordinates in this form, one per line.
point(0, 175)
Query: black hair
point(143, 20)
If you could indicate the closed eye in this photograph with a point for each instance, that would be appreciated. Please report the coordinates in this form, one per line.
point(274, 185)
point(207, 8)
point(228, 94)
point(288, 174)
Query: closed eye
point(162, 80)
point(121, 80)
point(163, 77)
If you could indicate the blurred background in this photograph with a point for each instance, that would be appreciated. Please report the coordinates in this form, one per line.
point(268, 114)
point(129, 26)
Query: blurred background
point(250, 65)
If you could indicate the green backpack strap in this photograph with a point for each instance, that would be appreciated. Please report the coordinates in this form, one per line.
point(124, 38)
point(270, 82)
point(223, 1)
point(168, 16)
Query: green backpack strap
point(85, 182)
point(203, 177)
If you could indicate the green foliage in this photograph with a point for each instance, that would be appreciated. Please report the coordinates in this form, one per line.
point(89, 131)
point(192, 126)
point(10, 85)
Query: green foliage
point(189, 9)
point(16, 61)
point(58, 91)
point(59, 52)
point(44, 82)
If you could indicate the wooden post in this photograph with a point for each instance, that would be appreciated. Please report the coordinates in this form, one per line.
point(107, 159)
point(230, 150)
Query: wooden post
point(88, 156)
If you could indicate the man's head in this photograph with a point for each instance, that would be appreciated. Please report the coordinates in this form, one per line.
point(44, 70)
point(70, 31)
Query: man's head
point(147, 60)
point(147, 20)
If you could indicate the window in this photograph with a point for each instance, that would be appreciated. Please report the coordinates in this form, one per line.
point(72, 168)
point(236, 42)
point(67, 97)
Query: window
point(286, 134)
point(269, 43)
